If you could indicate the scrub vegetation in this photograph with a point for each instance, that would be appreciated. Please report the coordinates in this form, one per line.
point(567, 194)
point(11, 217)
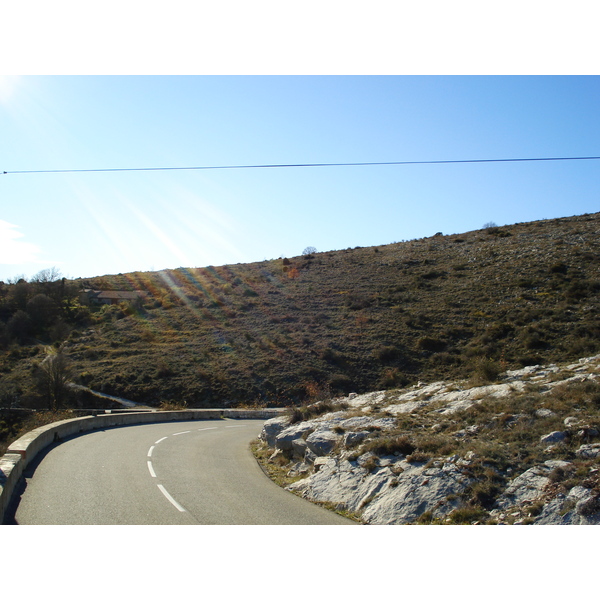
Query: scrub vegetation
point(323, 324)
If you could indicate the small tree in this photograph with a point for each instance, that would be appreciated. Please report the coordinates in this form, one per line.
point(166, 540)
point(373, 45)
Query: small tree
point(19, 326)
point(42, 310)
point(53, 376)
point(19, 294)
point(308, 250)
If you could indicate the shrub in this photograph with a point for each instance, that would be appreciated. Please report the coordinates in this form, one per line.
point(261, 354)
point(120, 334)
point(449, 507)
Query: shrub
point(560, 267)
point(384, 446)
point(582, 289)
point(60, 331)
point(484, 493)
point(533, 341)
point(527, 360)
point(386, 353)
point(334, 357)
point(370, 464)
point(467, 515)
point(431, 344)
point(579, 394)
point(42, 310)
point(357, 301)
point(19, 326)
point(589, 507)
point(317, 393)
point(426, 518)
point(486, 371)
point(419, 457)
point(163, 369)
point(439, 444)
point(341, 383)
point(432, 274)
point(392, 378)
point(304, 413)
point(559, 474)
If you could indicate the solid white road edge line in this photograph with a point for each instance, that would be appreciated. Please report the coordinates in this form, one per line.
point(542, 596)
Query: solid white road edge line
point(152, 473)
point(171, 499)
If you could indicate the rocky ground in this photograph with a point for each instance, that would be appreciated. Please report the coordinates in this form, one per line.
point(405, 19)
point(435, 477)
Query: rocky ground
point(524, 449)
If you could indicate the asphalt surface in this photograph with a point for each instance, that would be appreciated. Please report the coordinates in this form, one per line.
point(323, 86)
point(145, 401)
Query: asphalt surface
point(186, 473)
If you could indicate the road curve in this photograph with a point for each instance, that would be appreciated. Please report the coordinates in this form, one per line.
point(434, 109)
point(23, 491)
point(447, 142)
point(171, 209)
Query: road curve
point(177, 473)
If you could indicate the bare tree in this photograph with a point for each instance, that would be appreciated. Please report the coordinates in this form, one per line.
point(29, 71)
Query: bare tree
point(53, 376)
point(308, 250)
point(47, 275)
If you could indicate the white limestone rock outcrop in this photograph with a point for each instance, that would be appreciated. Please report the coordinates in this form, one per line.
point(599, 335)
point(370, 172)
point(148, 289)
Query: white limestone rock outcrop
point(395, 493)
point(580, 506)
point(333, 454)
point(530, 485)
point(272, 428)
point(322, 442)
point(286, 437)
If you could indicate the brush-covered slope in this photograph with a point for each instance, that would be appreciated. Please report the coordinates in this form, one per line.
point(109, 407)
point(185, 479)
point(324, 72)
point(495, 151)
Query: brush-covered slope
point(286, 330)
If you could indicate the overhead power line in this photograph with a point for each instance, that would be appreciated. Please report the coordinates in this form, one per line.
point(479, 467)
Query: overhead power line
point(288, 166)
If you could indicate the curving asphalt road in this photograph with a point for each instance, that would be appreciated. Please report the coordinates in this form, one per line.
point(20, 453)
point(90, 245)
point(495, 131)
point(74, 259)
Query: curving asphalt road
point(181, 473)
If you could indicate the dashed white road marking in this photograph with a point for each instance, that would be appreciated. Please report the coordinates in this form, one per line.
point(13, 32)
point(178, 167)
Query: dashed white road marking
point(171, 499)
point(229, 426)
point(153, 474)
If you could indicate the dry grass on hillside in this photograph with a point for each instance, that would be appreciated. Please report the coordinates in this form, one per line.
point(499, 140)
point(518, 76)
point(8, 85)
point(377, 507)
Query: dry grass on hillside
point(287, 331)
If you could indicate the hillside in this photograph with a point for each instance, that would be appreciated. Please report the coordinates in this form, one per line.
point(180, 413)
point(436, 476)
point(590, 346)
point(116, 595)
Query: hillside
point(285, 331)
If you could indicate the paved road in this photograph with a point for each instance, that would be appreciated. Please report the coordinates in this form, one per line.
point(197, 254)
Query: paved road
point(199, 472)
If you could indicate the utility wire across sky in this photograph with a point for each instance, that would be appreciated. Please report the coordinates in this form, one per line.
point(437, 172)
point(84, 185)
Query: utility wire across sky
point(287, 166)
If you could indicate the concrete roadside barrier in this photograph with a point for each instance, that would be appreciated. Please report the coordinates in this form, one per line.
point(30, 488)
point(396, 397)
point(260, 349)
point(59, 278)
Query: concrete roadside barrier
point(22, 451)
point(11, 468)
point(240, 413)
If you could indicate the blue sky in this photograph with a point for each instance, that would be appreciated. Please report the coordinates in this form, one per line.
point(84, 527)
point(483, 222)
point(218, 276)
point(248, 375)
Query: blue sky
point(100, 223)
point(88, 224)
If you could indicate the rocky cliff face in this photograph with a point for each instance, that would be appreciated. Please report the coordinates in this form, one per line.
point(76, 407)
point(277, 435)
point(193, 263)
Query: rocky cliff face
point(524, 450)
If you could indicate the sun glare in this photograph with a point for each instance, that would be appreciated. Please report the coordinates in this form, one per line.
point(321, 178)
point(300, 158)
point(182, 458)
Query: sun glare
point(8, 86)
